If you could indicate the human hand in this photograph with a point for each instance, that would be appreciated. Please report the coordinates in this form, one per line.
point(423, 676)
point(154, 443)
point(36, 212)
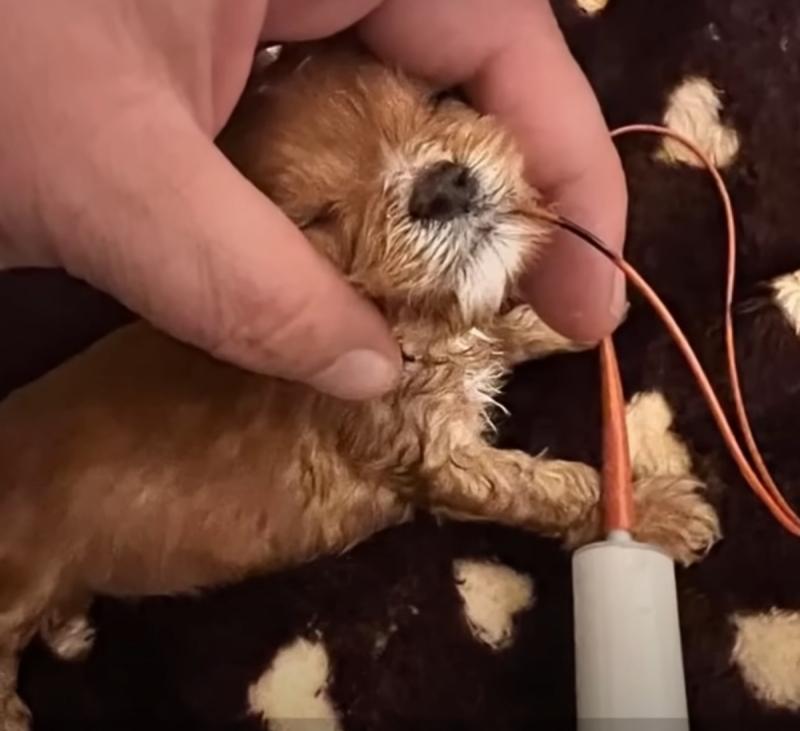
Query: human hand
point(109, 169)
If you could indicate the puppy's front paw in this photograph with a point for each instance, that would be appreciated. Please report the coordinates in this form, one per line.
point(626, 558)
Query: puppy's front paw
point(585, 531)
point(14, 714)
point(669, 512)
point(525, 337)
point(69, 638)
point(672, 513)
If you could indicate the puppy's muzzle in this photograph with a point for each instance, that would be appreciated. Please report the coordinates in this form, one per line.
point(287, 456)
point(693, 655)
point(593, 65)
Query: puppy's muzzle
point(443, 191)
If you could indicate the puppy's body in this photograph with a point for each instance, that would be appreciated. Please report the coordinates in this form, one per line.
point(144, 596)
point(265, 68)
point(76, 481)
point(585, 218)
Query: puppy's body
point(144, 466)
point(168, 471)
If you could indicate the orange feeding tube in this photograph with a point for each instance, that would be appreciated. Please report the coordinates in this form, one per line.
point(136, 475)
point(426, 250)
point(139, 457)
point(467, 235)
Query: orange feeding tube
point(617, 483)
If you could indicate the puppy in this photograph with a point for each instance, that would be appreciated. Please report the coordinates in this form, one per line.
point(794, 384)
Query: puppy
point(144, 466)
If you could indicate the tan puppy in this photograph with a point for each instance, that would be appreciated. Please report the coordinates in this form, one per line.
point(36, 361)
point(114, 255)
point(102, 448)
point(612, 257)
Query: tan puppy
point(144, 466)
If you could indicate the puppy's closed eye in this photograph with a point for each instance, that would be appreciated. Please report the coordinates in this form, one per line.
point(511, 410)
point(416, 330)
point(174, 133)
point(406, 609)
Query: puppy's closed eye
point(321, 217)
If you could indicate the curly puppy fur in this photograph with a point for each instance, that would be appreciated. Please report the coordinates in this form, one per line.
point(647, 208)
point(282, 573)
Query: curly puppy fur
point(144, 466)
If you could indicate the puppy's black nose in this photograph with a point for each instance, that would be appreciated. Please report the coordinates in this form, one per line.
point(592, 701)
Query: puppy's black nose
point(443, 191)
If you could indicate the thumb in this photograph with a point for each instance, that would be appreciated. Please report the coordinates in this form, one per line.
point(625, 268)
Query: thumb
point(538, 89)
point(179, 236)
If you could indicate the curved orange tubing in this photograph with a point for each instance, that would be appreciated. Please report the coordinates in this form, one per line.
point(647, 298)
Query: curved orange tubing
point(618, 498)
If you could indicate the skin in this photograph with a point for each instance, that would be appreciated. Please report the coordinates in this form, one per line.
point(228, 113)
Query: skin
point(109, 168)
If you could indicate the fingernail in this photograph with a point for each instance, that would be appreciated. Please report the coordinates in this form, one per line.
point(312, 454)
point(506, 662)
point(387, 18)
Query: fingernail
point(357, 375)
point(619, 300)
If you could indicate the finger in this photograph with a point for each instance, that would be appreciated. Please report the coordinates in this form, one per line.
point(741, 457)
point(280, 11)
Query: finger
point(519, 68)
point(209, 259)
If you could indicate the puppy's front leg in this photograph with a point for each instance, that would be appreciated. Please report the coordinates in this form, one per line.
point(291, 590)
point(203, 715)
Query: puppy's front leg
point(67, 630)
point(524, 336)
point(513, 488)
